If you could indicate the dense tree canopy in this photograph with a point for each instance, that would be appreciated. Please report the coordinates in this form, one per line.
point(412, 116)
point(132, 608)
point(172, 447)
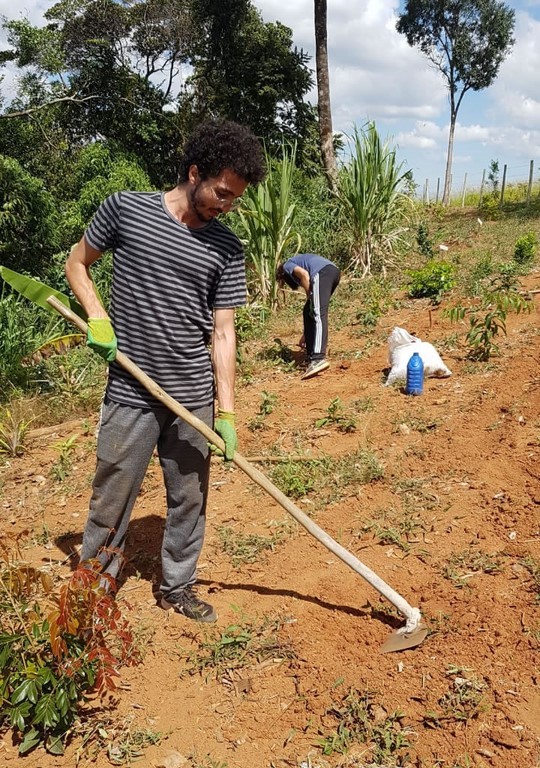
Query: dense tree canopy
point(140, 73)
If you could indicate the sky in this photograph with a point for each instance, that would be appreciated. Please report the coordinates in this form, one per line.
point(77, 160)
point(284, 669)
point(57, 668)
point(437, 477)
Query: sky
point(376, 76)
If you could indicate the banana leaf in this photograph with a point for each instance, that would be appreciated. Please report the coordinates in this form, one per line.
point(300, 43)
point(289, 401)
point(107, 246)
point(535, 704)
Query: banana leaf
point(39, 292)
point(57, 346)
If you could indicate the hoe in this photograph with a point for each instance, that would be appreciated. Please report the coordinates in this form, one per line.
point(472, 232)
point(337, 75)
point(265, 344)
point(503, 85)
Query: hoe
point(408, 636)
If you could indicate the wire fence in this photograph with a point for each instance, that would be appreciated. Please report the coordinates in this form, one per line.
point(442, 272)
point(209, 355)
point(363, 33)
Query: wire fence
point(472, 190)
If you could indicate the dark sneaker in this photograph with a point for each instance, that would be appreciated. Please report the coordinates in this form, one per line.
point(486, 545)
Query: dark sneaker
point(188, 604)
point(315, 367)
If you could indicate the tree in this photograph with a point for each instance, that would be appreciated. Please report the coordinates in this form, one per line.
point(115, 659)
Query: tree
point(28, 220)
point(323, 90)
point(466, 41)
point(247, 70)
point(109, 70)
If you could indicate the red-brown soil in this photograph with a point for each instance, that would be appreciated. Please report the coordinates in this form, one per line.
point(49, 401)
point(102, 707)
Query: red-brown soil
point(463, 461)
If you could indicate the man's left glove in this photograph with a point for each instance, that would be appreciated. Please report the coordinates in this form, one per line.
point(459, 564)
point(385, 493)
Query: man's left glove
point(101, 337)
point(224, 426)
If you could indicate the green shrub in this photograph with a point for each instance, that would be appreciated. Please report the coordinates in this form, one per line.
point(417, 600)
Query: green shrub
point(55, 649)
point(423, 240)
point(431, 281)
point(525, 248)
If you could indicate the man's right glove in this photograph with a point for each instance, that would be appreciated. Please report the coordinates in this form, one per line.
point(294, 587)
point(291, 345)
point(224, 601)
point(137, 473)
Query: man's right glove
point(101, 337)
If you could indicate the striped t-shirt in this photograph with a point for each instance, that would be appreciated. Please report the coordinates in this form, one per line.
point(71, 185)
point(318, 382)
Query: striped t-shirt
point(167, 280)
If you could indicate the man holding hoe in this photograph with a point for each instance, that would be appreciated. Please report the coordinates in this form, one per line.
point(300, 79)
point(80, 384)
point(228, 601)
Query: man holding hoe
point(178, 274)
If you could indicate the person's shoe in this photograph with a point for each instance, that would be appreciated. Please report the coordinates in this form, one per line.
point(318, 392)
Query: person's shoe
point(315, 367)
point(189, 605)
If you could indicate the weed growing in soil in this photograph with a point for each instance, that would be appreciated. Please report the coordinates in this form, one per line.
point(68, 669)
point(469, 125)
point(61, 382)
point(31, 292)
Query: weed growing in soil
point(206, 762)
point(297, 478)
point(328, 478)
point(238, 646)
point(246, 548)
point(361, 721)
point(417, 421)
point(463, 701)
point(337, 415)
point(391, 527)
point(62, 467)
point(279, 354)
point(268, 403)
point(12, 433)
point(533, 566)
point(463, 565)
point(122, 740)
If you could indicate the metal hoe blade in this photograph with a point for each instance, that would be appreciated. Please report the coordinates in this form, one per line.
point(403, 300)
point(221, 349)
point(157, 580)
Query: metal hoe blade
point(400, 640)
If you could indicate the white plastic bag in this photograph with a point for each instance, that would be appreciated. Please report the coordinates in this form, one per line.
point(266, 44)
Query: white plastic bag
point(401, 345)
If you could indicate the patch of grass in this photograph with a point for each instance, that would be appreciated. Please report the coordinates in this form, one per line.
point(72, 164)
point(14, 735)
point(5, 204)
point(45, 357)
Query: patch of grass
point(417, 420)
point(327, 478)
point(247, 548)
point(363, 405)
point(415, 494)
point(391, 527)
point(463, 701)
point(239, 646)
point(533, 566)
point(297, 478)
point(206, 762)
point(357, 722)
point(463, 565)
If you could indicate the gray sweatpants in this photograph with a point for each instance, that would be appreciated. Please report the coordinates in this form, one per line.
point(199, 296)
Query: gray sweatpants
point(126, 440)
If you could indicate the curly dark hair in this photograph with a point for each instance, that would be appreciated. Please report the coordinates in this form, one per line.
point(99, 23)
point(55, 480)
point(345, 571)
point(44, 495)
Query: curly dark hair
point(219, 144)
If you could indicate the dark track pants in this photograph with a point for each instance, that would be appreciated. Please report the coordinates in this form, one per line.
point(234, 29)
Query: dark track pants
point(126, 440)
point(323, 285)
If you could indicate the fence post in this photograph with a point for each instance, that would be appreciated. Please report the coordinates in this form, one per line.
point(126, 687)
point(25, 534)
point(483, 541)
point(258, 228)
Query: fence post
point(529, 188)
point(426, 192)
point(503, 186)
point(463, 191)
point(438, 189)
point(482, 188)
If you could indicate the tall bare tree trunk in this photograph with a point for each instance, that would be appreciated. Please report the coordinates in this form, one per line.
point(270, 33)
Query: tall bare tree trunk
point(448, 174)
point(323, 90)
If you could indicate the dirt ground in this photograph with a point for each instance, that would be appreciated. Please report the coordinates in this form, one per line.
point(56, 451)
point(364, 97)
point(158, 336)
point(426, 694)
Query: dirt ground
point(460, 464)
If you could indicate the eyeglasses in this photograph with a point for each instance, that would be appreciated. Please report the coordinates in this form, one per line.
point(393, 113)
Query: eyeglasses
point(232, 204)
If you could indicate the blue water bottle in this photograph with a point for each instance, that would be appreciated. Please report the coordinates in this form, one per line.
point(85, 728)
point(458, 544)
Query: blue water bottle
point(415, 375)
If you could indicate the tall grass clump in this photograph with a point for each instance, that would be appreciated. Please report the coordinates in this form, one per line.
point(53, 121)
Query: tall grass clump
point(267, 221)
point(378, 212)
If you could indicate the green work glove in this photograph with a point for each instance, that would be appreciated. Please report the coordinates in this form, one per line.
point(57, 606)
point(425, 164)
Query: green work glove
point(101, 337)
point(224, 426)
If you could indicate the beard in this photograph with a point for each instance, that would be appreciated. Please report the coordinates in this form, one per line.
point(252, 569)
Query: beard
point(200, 209)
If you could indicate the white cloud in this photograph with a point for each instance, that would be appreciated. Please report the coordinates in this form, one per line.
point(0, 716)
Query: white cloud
point(375, 75)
